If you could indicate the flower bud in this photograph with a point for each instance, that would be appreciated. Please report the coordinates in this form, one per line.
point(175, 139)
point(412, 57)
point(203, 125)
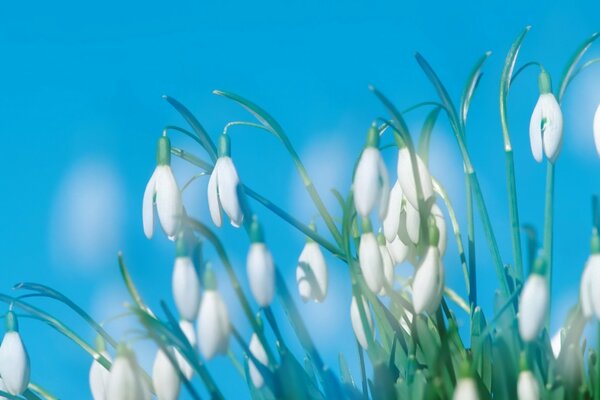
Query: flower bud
point(260, 269)
point(213, 320)
point(186, 288)
point(99, 375)
point(527, 386)
point(391, 223)
point(125, 382)
point(357, 325)
point(466, 389)
point(188, 330)
point(406, 178)
point(165, 378)
point(428, 282)
point(258, 351)
point(14, 360)
point(311, 273)
point(546, 124)
point(370, 261)
point(533, 304)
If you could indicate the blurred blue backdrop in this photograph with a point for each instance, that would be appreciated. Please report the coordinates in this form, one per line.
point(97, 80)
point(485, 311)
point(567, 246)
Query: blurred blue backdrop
point(81, 108)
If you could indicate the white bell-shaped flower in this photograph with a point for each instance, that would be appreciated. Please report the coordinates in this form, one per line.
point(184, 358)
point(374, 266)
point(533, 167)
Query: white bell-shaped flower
point(466, 389)
point(371, 182)
point(223, 187)
point(357, 325)
point(527, 386)
point(188, 330)
point(533, 303)
point(391, 223)
point(596, 129)
point(589, 292)
point(125, 382)
point(428, 282)
point(311, 273)
point(99, 375)
point(258, 351)
point(369, 258)
point(165, 379)
point(185, 283)
point(213, 320)
point(163, 191)
point(260, 268)
point(546, 124)
point(388, 265)
point(406, 178)
point(14, 360)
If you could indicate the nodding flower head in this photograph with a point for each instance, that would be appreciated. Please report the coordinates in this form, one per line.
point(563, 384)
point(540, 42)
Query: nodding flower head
point(546, 123)
point(589, 292)
point(357, 325)
point(223, 187)
point(125, 381)
point(165, 379)
point(533, 303)
point(213, 320)
point(369, 258)
point(14, 360)
point(428, 282)
point(371, 182)
point(406, 177)
point(185, 282)
point(163, 191)
point(99, 375)
point(311, 273)
point(258, 351)
point(260, 268)
point(190, 334)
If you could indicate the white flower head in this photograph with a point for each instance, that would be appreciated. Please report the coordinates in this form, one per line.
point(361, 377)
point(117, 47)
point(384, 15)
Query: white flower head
point(596, 129)
point(428, 282)
point(589, 293)
point(188, 330)
point(466, 389)
point(369, 258)
point(213, 320)
point(185, 283)
point(125, 381)
point(533, 303)
point(260, 268)
point(223, 187)
point(527, 386)
point(311, 273)
point(163, 191)
point(357, 325)
point(165, 378)
point(371, 182)
point(99, 375)
point(546, 123)
point(14, 360)
point(406, 177)
point(258, 351)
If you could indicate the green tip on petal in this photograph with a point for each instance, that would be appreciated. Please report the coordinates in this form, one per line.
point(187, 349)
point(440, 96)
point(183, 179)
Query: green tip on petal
point(210, 280)
point(464, 369)
point(380, 239)
point(224, 146)
point(434, 232)
point(163, 151)
point(366, 225)
point(256, 233)
point(373, 136)
point(12, 325)
point(539, 266)
point(181, 246)
point(523, 362)
point(544, 82)
point(595, 243)
point(123, 350)
point(100, 344)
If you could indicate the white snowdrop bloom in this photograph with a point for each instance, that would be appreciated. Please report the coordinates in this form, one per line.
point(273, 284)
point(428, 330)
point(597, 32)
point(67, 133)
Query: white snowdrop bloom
point(428, 282)
point(388, 265)
point(466, 389)
point(440, 222)
point(533, 304)
point(407, 179)
point(556, 343)
point(185, 283)
point(589, 293)
point(125, 382)
point(223, 187)
point(311, 273)
point(165, 379)
point(213, 320)
point(357, 325)
point(371, 263)
point(597, 129)
point(371, 182)
point(260, 268)
point(391, 223)
point(99, 375)
point(258, 351)
point(188, 330)
point(163, 191)
point(410, 225)
point(398, 250)
point(527, 386)
point(14, 360)
point(546, 124)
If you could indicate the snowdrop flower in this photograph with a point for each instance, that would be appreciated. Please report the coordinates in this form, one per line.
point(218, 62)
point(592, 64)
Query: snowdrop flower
point(533, 303)
point(357, 325)
point(369, 258)
point(527, 386)
point(311, 273)
point(388, 264)
point(188, 330)
point(125, 382)
point(597, 129)
point(258, 351)
point(260, 268)
point(371, 182)
point(556, 343)
point(162, 189)
point(99, 375)
point(406, 177)
point(165, 378)
point(546, 124)
point(213, 320)
point(391, 223)
point(185, 282)
point(223, 187)
point(428, 282)
point(466, 389)
point(14, 360)
point(590, 290)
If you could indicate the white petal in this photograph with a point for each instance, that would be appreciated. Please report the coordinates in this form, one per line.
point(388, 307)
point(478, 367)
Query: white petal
point(407, 179)
point(228, 195)
point(428, 282)
point(466, 389)
point(553, 128)
point(14, 363)
point(259, 352)
point(597, 129)
point(370, 261)
point(533, 307)
point(148, 206)
point(440, 222)
point(124, 382)
point(585, 292)
point(261, 273)
point(398, 250)
point(594, 283)
point(164, 378)
point(314, 285)
point(535, 131)
point(392, 218)
point(186, 288)
point(556, 344)
point(527, 386)
point(213, 196)
point(413, 223)
point(190, 334)
point(384, 189)
point(366, 181)
point(388, 268)
point(213, 325)
point(98, 378)
point(357, 325)
point(168, 200)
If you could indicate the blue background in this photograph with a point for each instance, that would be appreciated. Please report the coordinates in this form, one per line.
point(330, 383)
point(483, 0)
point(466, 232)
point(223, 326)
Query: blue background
point(81, 108)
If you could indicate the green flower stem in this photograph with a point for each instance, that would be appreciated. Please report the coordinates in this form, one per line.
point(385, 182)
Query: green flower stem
point(549, 227)
point(43, 392)
point(471, 246)
point(363, 371)
point(236, 363)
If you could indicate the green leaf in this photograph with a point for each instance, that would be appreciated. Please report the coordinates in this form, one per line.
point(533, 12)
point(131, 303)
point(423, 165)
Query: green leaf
point(426, 132)
point(133, 292)
point(401, 129)
point(469, 90)
point(482, 355)
point(568, 74)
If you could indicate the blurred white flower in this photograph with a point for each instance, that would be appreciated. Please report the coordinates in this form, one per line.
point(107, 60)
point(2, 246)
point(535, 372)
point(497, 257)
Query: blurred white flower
point(14, 360)
point(428, 282)
point(388, 265)
point(590, 286)
point(371, 263)
point(186, 287)
point(556, 343)
point(213, 320)
point(188, 330)
point(406, 178)
point(165, 379)
point(440, 223)
point(596, 128)
point(527, 386)
point(125, 382)
point(258, 351)
point(311, 273)
point(260, 268)
point(546, 124)
point(398, 250)
point(391, 222)
point(466, 389)
point(99, 375)
point(357, 325)
point(533, 306)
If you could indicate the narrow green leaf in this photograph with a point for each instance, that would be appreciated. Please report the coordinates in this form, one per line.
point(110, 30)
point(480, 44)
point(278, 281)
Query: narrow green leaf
point(568, 74)
point(426, 132)
point(469, 90)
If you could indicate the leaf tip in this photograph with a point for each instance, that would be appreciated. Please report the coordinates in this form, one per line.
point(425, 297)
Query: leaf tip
point(527, 28)
point(488, 53)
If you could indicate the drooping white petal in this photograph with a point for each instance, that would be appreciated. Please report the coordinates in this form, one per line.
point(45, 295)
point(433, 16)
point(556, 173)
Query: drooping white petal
point(392, 218)
point(357, 326)
point(366, 181)
point(311, 273)
point(413, 223)
point(370, 261)
point(428, 282)
point(388, 268)
point(398, 250)
point(533, 307)
point(98, 378)
point(213, 196)
point(585, 292)
point(148, 206)
point(552, 134)
point(535, 132)
point(594, 283)
point(597, 129)
point(168, 200)
point(124, 382)
point(527, 386)
point(407, 179)
point(228, 195)
point(189, 332)
point(261, 273)
point(258, 351)
point(213, 325)
point(384, 188)
point(440, 222)
point(164, 378)
point(14, 363)
point(186, 288)
point(466, 389)
point(556, 344)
